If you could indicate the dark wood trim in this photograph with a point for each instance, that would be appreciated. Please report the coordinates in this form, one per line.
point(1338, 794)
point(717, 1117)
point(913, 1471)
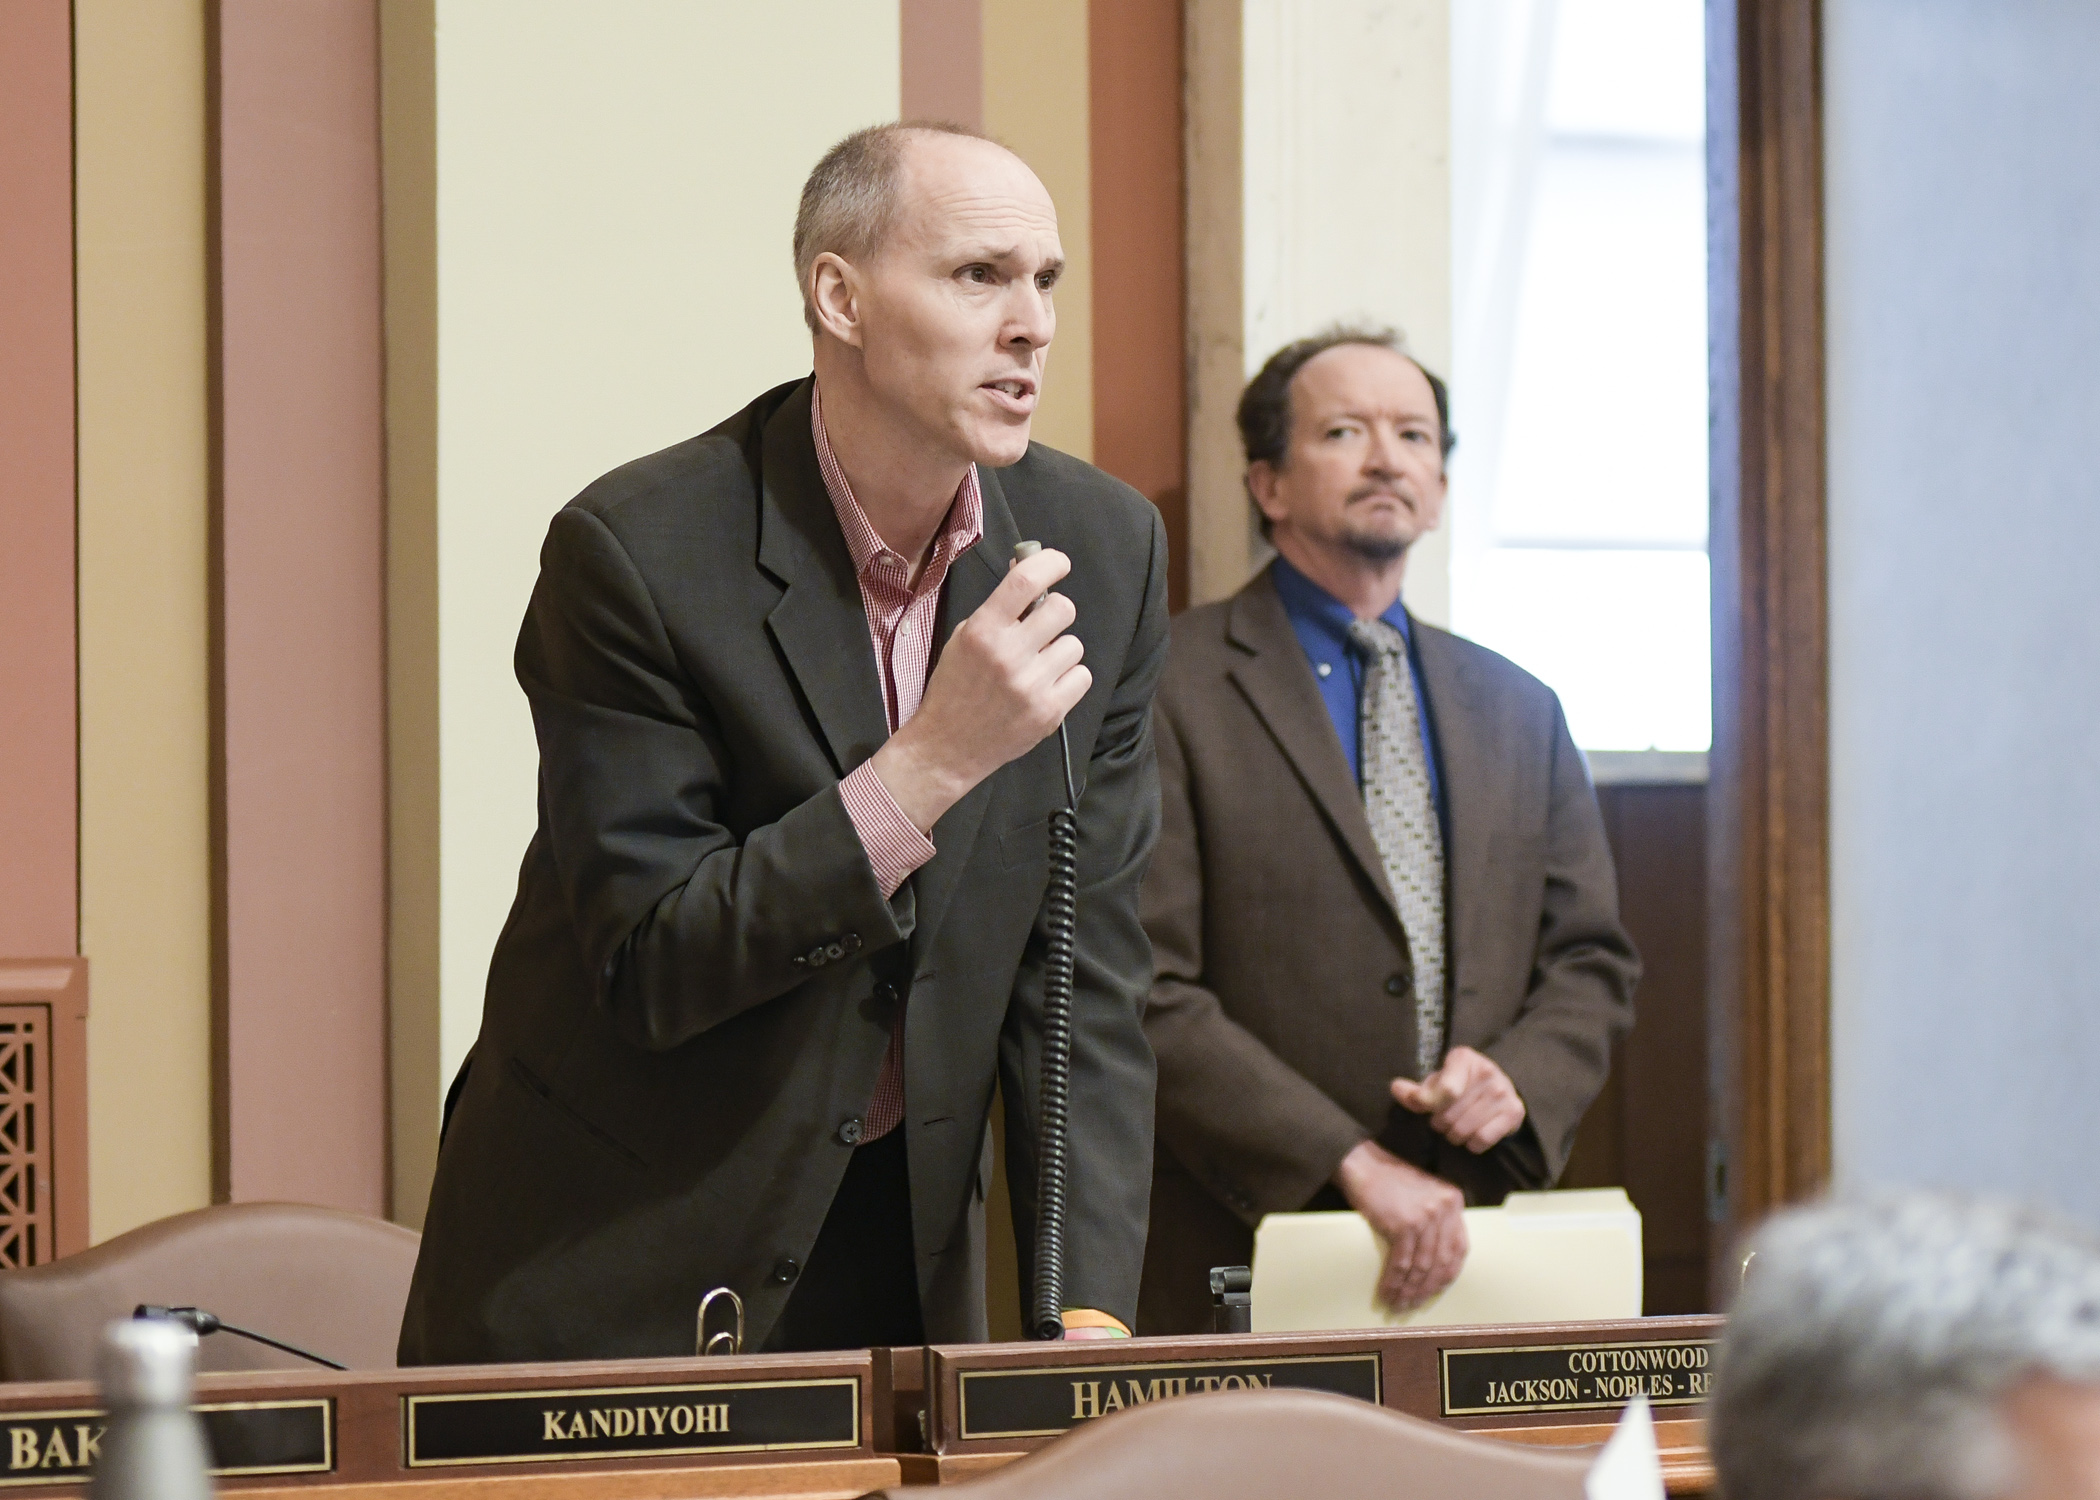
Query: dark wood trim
point(222, 1129)
point(1768, 830)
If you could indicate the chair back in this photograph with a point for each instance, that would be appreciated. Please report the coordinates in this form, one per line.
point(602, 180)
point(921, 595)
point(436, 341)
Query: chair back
point(328, 1281)
point(1270, 1445)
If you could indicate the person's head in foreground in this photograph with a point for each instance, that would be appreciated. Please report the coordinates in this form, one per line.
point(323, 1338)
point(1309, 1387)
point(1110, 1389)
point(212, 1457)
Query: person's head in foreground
point(1913, 1347)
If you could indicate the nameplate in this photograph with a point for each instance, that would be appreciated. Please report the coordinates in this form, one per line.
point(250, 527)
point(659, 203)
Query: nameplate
point(242, 1437)
point(1045, 1401)
point(636, 1421)
point(1575, 1377)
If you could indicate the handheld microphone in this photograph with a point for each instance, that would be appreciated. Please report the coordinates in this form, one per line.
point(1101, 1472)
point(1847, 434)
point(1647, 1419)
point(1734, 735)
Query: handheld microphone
point(1053, 1109)
point(201, 1323)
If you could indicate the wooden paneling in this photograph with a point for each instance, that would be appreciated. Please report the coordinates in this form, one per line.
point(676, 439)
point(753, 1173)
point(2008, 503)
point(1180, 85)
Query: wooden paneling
point(408, 145)
point(144, 604)
point(1768, 818)
point(300, 721)
point(1140, 384)
point(39, 788)
point(941, 61)
point(43, 1110)
point(1647, 1130)
point(43, 987)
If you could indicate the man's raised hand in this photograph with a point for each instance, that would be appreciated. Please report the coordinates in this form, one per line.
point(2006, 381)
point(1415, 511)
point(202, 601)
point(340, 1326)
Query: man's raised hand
point(1469, 1100)
point(1002, 683)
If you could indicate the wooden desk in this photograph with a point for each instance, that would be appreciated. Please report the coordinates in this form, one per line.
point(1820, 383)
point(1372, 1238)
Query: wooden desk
point(675, 1429)
point(1559, 1385)
point(780, 1426)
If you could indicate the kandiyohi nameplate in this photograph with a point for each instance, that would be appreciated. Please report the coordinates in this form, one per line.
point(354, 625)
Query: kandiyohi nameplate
point(244, 1438)
point(641, 1421)
point(1044, 1400)
point(1575, 1377)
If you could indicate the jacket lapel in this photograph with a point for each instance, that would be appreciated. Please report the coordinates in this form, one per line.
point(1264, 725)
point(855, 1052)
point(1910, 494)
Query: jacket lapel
point(820, 623)
point(971, 579)
point(1468, 762)
point(1278, 686)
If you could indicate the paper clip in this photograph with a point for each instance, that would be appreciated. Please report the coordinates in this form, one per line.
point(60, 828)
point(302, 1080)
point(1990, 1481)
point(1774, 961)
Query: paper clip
point(722, 1341)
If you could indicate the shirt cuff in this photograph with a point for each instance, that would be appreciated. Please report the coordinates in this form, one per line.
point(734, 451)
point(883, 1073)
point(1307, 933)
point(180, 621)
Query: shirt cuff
point(1087, 1317)
point(895, 848)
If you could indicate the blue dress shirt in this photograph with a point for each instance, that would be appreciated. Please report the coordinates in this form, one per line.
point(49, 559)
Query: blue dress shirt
point(1322, 624)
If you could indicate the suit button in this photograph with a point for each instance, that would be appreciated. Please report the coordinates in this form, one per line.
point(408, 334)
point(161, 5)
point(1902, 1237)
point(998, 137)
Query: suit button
point(851, 942)
point(1397, 985)
point(851, 1132)
point(834, 951)
point(816, 958)
point(887, 993)
point(786, 1269)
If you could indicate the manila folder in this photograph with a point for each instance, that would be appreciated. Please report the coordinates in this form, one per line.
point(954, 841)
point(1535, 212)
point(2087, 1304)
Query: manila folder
point(1539, 1258)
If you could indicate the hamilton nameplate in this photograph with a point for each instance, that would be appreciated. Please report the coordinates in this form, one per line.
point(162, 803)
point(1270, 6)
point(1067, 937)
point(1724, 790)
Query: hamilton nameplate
point(1044, 1400)
point(644, 1421)
point(1575, 1377)
point(243, 1438)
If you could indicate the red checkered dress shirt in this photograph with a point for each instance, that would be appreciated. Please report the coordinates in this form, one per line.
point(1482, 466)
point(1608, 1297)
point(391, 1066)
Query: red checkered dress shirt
point(901, 622)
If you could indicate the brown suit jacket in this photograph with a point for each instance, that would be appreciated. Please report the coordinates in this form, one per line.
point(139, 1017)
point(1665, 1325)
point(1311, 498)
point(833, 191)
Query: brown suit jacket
point(1282, 1001)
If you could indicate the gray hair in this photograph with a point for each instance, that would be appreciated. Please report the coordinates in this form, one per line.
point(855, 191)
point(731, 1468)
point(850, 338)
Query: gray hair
point(849, 203)
point(1872, 1342)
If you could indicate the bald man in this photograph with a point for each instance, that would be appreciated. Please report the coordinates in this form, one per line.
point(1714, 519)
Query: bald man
point(779, 931)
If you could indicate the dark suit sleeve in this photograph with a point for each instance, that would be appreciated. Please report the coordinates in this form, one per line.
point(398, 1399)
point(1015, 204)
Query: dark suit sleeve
point(1558, 1050)
point(1254, 1131)
point(1109, 1158)
point(682, 925)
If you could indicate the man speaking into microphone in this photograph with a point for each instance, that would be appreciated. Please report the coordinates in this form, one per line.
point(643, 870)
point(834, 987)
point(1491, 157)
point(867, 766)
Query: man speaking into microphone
point(780, 930)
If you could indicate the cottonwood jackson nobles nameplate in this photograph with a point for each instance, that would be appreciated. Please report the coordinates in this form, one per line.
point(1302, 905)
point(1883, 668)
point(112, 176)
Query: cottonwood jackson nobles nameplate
point(650, 1421)
point(1575, 1377)
point(245, 1438)
point(1045, 1401)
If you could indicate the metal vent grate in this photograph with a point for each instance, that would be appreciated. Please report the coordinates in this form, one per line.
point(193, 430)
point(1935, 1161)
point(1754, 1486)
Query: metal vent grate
point(25, 1137)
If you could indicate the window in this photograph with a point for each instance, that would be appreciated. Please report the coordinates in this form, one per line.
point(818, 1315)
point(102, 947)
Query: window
point(1579, 491)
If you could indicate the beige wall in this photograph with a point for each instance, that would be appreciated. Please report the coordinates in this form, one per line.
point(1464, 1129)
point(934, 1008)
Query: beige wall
point(1036, 101)
point(1328, 128)
point(145, 865)
point(611, 276)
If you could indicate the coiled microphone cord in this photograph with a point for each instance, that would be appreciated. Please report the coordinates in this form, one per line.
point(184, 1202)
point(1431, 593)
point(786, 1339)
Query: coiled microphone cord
point(1054, 1094)
point(1061, 919)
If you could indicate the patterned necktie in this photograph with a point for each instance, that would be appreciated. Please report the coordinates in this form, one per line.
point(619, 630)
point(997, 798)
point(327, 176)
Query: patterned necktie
point(1402, 813)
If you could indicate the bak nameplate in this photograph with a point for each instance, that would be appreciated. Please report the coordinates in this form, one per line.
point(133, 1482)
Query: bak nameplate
point(243, 1437)
point(1044, 1401)
point(639, 1421)
point(1575, 1377)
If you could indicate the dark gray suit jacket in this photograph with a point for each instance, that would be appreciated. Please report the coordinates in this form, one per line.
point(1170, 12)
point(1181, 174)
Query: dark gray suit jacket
point(666, 1057)
point(1283, 1004)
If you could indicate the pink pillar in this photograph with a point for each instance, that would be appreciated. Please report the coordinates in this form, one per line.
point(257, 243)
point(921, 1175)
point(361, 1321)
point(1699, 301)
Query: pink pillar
point(301, 711)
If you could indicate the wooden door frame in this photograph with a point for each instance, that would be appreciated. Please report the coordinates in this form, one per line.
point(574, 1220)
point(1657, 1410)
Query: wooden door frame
point(1768, 884)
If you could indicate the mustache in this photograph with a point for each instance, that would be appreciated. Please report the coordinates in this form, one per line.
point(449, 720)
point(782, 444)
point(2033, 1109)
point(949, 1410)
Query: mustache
point(1391, 492)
